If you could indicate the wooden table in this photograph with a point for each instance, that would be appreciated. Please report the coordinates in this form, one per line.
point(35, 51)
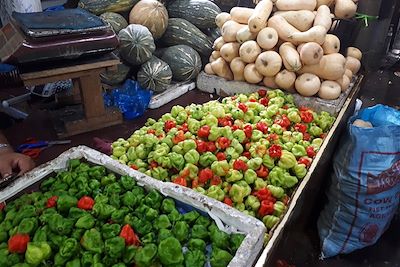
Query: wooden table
point(85, 74)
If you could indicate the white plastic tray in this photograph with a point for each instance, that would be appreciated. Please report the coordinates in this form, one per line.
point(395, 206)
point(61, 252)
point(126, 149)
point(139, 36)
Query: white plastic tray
point(227, 218)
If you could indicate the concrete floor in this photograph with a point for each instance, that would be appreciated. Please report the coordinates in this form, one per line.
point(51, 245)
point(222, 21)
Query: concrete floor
point(299, 247)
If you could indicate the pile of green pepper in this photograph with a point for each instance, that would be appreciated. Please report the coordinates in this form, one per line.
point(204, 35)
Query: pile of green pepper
point(86, 216)
point(249, 151)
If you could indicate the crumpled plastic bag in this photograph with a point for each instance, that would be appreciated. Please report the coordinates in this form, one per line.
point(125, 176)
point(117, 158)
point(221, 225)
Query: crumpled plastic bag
point(365, 190)
point(131, 99)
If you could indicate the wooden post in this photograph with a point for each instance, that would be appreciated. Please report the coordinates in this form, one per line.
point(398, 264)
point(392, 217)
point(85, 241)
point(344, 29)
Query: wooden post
point(91, 94)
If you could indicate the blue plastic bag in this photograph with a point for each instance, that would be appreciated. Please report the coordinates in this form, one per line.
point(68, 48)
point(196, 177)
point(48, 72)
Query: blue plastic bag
point(365, 190)
point(131, 99)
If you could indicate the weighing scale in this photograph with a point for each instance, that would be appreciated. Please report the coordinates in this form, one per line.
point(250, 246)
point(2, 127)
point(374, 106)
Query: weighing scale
point(60, 45)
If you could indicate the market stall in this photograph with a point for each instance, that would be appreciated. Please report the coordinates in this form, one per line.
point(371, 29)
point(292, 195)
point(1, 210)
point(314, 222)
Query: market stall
point(256, 148)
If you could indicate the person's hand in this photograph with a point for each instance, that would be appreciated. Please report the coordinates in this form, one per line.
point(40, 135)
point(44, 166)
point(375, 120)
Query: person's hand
point(14, 162)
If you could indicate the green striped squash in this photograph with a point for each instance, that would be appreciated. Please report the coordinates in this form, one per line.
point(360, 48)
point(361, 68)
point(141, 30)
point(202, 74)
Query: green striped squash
point(184, 61)
point(116, 21)
point(101, 6)
point(115, 77)
point(136, 44)
point(155, 75)
point(201, 13)
point(181, 31)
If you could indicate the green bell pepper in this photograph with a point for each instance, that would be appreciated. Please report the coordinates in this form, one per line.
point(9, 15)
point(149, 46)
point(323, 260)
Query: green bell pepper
point(85, 222)
point(299, 151)
point(197, 244)
point(192, 156)
point(69, 248)
point(287, 160)
point(207, 159)
point(220, 257)
point(300, 170)
point(92, 241)
point(252, 202)
point(199, 231)
point(276, 191)
point(37, 252)
point(215, 192)
point(181, 231)
point(114, 247)
point(195, 258)
point(28, 226)
point(170, 252)
point(146, 255)
point(177, 160)
point(162, 222)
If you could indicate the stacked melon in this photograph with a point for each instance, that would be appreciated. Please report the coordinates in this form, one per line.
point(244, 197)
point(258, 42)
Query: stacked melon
point(178, 31)
point(285, 44)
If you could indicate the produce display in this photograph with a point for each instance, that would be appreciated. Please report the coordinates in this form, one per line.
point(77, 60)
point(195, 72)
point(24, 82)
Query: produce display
point(285, 44)
point(249, 151)
point(180, 22)
point(87, 216)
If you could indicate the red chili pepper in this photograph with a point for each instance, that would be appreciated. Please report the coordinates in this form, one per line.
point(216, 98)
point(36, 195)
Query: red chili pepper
point(275, 151)
point(223, 142)
point(151, 131)
point(204, 131)
point(285, 200)
point(248, 130)
point(283, 121)
point(201, 146)
point(263, 194)
point(264, 101)
point(235, 127)
point(224, 122)
point(18, 243)
point(153, 164)
point(184, 127)
point(211, 147)
point(303, 108)
point(51, 202)
point(252, 100)
point(272, 137)
point(179, 137)
point(302, 128)
point(185, 173)
point(285, 107)
point(247, 154)
point(262, 126)
point(233, 97)
point(221, 156)
point(2, 206)
point(310, 151)
point(228, 201)
point(323, 135)
point(240, 165)
point(195, 183)
point(262, 172)
point(180, 180)
point(133, 166)
point(306, 136)
point(168, 125)
point(129, 235)
point(205, 175)
point(85, 203)
point(247, 146)
point(216, 180)
point(306, 116)
point(266, 208)
point(262, 92)
point(304, 161)
point(243, 107)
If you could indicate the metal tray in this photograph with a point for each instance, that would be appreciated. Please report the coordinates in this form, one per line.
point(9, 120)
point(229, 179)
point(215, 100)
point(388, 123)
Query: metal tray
point(61, 22)
point(226, 218)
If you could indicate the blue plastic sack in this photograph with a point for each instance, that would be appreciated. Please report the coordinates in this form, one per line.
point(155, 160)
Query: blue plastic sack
point(365, 190)
point(131, 99)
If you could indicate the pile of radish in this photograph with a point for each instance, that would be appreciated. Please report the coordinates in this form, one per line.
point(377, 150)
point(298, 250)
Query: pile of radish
point(285, 44)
